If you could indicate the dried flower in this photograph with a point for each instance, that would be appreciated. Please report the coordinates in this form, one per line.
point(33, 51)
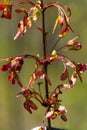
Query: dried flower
point(59, 111)
point(30, 16)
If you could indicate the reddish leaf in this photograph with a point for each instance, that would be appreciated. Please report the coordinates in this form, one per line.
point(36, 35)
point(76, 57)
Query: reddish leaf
point(4, 67)
point(6, 8)
point(23, 26)
point(64, 75)
point(81, 67)
point(28, 105)
point(32, 105)
point(21, 10)
point(2, 6)
point(63, 117)
point(65, 31)
point(11, 77)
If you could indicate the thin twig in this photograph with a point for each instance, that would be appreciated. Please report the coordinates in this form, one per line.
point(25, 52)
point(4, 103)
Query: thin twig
point(45, 56)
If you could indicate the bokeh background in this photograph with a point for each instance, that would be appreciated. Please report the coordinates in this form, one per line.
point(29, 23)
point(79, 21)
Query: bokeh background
point(12, 114)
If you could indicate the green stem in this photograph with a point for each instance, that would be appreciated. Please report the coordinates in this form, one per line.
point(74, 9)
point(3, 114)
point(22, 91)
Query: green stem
point(45, 56)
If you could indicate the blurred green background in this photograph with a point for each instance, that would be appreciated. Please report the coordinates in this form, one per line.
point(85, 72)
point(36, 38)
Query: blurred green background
point(12, 114)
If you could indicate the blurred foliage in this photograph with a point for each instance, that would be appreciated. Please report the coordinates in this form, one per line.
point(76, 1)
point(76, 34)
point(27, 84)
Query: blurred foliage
point(12, 114)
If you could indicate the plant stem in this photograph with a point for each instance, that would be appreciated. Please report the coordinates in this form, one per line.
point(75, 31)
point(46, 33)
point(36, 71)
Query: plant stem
point(45, 55)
